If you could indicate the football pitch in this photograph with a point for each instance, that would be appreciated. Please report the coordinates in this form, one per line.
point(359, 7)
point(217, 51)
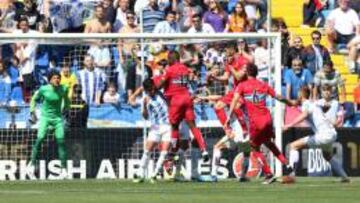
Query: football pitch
point(102, 191)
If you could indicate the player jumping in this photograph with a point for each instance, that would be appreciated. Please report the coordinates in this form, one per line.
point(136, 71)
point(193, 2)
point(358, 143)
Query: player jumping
point(321, 116)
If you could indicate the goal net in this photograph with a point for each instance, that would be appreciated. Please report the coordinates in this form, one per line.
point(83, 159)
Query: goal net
point(104, 128)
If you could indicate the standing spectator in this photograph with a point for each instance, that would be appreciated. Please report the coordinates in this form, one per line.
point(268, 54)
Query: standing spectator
point(262, 59)
point(294, 51)
point(99, 24)
point(123, 7)
point(7, 15)
point(109, 10)
point(354, 55)
point(215, 16)
point(237, 21)
point(151, 16)
point(342, 25)
point(252, 6)
point(111, 95)
point(68, 79)
point(29, 11)
point(186, 10)
point(102, 59)
point(5, 85)
point(315, 55)
point(169, 25)
point(142, 4)
point(199, 27)
point(92, 81)
point(126, 49)
point(295, 78)
point(14, 74)
point(329, 76)
point(214, 55)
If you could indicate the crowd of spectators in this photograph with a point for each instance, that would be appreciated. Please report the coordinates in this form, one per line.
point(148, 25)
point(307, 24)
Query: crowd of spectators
point(103, 72)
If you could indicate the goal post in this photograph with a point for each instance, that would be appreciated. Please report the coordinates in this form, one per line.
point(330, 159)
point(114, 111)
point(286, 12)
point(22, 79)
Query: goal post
point(146, 39)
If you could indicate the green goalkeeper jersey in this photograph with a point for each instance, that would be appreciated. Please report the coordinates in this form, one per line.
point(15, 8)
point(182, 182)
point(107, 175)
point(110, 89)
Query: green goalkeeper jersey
point(52, 98)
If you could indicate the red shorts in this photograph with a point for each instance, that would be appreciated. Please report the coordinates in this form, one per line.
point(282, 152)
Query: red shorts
point(181, 107)
point(227, 98)
point(261, 131)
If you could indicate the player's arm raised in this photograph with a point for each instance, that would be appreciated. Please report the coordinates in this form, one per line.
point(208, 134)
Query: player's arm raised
point(233, 105)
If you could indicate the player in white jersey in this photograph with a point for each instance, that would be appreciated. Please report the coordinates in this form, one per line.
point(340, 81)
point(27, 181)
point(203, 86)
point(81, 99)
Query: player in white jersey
point(155, 109)
point(323, 123)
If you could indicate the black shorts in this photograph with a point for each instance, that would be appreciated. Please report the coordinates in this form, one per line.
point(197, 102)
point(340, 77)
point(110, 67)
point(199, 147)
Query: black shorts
point(343, 39)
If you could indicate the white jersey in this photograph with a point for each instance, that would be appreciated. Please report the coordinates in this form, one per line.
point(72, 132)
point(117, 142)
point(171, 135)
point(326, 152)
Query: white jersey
point(158, 110)
point(317, 119)
point(333, 111)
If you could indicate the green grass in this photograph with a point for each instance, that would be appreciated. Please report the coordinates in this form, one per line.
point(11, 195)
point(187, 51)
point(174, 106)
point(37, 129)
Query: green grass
point(100, 191)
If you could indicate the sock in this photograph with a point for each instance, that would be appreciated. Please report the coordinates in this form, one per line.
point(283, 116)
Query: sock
point(244, 167)
point(221, 115)
point(35, 151)
point(294, 158)
point(195, 156)
point(275, 150)
point(199, 138)
point(215, 162)
point(160, 162)
point(175, 136)
point(144, 163)
point(337, 168)
point(265, 166)
point(178, 163)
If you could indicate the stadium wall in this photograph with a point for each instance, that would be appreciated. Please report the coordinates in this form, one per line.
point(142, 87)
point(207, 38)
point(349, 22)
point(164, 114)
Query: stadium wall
point(114, 153)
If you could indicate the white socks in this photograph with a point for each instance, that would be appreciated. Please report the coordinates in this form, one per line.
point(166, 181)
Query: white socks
point(215, 162)
point(160, 162)
point(144, 163)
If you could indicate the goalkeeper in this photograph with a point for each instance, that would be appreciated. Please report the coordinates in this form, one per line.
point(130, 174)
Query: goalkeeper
point(53, 97)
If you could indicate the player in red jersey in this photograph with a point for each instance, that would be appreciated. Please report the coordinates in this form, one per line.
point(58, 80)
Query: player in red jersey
point(254, 93)
point(234, 63)
point(175, 82)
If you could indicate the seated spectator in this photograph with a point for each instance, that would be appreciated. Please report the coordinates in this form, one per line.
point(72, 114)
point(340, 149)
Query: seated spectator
point(151, 16)
point(341, 25)
point(215, 16)
point(92, 81)
point(29, 11)
point(329, 76)
point(315, 54)
point(356, 95)
point(294, 51)
point(142, 4)
point(109, 10)
point(111, 95)
point(295, 78)
point(5, 85)
point(253, 7)
point(67, 78)
point(199, 27)
point(315, 12)
point(120, 21)
point(102, 59)
point(7, 15)
point(100, 23)
point(354, 55)
point(214, 55)
point(237, 21)
point(169, 25)
point(186, 10)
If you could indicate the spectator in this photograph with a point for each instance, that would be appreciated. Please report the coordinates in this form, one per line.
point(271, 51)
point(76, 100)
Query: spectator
point(251, 9)
point(169, 25)
point(99, 24)
point(356, 95)
point(151, 16)
point(199, 27)
point(121, 12)
point(102, 59)
point(14, 74)
point(111, 96)
point(214, 55)
point(314, 12)
point(67, 78)
point(190, 56)
point(7, 15)
point(127, 49)
point(237, 22)
point(329, 76)
point(315, 55)
point(186, 10)
point(92, 81)
point(354, 55)
point(342, 24)
point(142, 4)
point(109, 10)
point(29, 11)
point(5, 85)
point(295, 78)
point(278, 25)
point(294, 51)
point(262, 59)
point(215, 16)
point(78, 113)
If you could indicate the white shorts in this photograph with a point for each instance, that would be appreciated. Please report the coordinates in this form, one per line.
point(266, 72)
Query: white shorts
point(323, 140)
point(160, 133)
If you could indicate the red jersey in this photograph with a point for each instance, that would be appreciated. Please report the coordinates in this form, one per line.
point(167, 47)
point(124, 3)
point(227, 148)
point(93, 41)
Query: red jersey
point(254, 93)
point(238, 63)
point(176, 80)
